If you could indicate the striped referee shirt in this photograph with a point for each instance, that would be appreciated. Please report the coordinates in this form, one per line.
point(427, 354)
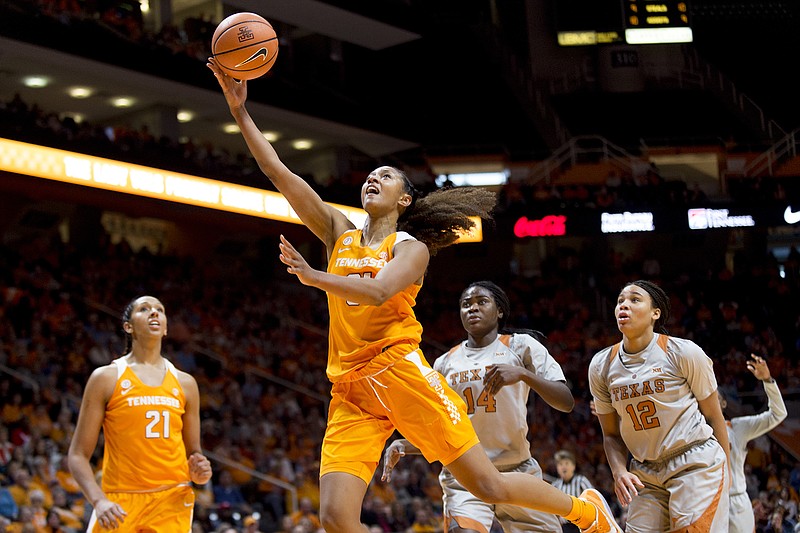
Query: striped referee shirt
point(575, 486)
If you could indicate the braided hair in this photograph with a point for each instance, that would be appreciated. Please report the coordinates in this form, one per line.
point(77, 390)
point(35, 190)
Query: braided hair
point(126, 317)
point(504, 305)
point(660, 301)
point(439, 218)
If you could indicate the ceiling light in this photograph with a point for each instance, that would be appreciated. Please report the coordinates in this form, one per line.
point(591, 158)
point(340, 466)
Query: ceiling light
point(230, 127)
point(144, 6)
point(80, 92)
point(302, 144)
point(77, 117)
point(474, 179)
point(36, 82)
point(185, 116)
point(271, 136)
point(122, 101)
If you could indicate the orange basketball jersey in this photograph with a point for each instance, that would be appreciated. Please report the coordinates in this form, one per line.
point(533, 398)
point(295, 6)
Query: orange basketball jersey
point(359, 332)
point(143, 428)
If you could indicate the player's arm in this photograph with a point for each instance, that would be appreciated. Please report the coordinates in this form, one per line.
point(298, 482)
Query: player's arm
point(555, 393)
point(761, 423)
point(408, 266)
point(84, 441)
point(625, 483)
point(392, 455)
point(199, 465)
point(326, 222)
point(713, 412)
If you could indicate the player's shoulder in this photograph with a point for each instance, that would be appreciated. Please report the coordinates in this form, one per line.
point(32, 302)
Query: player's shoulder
point(446, 356)
point(602, 358)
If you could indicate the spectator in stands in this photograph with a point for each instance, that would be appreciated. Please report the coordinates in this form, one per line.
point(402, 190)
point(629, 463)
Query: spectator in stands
point(778, 522)
point(376, 274)
point(227, 492)
point(512, 363)
point(305, 512)
point(655, 397)
point(8, 505)
point(151, 456)
point(743, 429)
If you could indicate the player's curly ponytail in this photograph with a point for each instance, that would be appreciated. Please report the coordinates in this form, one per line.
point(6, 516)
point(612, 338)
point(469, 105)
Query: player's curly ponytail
point(438, 218)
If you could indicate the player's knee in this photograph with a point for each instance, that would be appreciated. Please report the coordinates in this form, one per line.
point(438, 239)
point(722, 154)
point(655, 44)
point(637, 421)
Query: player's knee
point(491, 490)
point(335, 520)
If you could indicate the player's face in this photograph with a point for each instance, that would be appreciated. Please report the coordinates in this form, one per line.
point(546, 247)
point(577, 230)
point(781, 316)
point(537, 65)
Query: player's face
point(148, 318)
point(383, 191)
point(479, 312)
point(634, 311)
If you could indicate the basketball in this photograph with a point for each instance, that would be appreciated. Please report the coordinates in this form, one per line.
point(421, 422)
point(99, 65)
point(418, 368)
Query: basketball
point(245, 46)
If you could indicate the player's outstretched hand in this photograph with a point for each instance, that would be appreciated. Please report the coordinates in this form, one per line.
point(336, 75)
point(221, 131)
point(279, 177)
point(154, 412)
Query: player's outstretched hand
point(295, 263)
point(758, 366)
point(235, 91)
point(391, 456)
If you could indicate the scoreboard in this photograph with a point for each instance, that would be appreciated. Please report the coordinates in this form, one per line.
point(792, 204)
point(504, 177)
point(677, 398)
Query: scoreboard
point(597, 22)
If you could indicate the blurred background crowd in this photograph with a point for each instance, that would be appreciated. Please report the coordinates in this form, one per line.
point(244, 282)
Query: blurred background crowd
point(256, 340)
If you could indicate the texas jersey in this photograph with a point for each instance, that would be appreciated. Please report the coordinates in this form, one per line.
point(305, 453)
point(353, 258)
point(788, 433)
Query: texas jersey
point(144, 447)
point(499, 419)
point(655, 394)
point(358, 332)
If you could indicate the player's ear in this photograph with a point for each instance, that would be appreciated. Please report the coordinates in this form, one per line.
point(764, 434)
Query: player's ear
point(127, 327)
point(405, 200)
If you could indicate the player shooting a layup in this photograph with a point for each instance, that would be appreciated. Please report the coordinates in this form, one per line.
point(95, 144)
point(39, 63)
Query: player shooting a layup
point(381, 380)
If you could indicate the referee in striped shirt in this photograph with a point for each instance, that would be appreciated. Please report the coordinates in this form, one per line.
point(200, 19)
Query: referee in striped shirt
point(570, 482)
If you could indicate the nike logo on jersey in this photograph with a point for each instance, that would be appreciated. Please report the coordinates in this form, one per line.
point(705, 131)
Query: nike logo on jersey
point(188, 504)
point(126, 391)
point(342, 250)
point(260, 53)
point(791, 217)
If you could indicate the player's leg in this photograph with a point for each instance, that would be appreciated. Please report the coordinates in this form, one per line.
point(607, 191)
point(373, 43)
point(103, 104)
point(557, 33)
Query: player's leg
point(463, 512)
point(354, 439)
point(698, 485)
point(341, 496)
point(433, 417)
point(520, 519)
point(741, 518)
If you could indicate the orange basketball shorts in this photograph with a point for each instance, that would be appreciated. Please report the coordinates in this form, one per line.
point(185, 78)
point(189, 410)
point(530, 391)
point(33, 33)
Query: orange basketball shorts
point(164, 511)
point(408, 396)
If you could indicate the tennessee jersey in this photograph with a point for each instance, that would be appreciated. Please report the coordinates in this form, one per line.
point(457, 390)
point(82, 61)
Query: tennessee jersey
point(655, 394)
point(359, 333)
point(144, 422)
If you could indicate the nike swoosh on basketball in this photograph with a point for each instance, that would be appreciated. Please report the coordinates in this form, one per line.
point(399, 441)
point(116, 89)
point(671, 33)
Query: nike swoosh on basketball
point(262, 52)
point(125, 391)
point(791, 217)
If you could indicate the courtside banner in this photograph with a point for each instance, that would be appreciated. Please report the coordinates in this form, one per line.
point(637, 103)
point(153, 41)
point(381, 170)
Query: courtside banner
point(100, 173)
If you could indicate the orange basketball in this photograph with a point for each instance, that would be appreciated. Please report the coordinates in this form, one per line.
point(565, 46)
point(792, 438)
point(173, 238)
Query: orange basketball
point(245, 46)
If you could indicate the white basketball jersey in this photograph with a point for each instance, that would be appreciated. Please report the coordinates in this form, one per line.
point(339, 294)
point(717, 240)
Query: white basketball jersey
point(500, 420)
point(743, 429)
point(655, 394)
